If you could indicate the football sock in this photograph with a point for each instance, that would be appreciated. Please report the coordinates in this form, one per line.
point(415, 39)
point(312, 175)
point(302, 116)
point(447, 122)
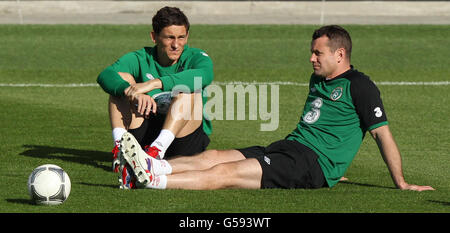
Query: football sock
point(117, 134)
point(161, 167)
point(158, 182)
point(163, 141)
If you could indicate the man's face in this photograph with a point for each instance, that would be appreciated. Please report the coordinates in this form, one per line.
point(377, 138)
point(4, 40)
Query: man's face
point(170, 43)
point(325, 62)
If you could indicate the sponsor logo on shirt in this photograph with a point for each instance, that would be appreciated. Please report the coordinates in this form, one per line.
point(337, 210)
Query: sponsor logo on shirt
point(313, 115)
point(378, 112)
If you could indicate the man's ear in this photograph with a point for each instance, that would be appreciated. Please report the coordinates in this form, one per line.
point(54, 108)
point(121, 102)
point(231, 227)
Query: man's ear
point(340, 54)
point(153, 36)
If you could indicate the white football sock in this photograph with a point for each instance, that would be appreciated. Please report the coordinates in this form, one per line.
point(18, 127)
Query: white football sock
point(161, 167)
point(158, 182)
point(163, 141)
point(117, 134)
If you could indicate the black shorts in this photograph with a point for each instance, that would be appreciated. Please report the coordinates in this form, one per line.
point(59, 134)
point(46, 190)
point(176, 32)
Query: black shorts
point(287, 164)
point(191, 144)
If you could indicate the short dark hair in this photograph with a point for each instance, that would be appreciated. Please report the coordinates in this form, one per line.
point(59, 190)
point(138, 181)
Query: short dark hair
point(168, 16)
point(338, 38)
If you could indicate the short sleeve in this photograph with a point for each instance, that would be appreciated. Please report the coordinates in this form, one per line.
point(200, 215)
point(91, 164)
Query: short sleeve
point(367, 100)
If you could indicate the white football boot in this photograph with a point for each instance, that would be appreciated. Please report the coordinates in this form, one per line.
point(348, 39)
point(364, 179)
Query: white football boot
point(138, 159)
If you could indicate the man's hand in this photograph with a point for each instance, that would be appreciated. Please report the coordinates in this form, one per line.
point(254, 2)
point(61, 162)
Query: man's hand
point(137, 88)
point(414, 187)
point(145, 104)
point(141, 88)
point(135, 94)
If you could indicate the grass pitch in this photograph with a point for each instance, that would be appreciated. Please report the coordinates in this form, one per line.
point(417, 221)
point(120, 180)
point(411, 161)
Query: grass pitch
point(68, 126)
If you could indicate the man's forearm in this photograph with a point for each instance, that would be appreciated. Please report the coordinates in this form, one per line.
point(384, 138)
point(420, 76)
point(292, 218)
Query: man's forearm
point(390, 153)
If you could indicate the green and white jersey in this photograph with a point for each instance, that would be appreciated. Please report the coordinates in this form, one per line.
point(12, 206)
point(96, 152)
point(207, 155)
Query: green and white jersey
point(194, 70)
point(336, 116)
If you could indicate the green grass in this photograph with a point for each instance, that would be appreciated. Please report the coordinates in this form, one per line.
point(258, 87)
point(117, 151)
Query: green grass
point(69, 126)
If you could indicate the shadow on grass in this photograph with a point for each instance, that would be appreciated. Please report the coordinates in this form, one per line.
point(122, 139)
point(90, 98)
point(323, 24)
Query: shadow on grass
point(365, 185)
point(21, 201)
point(444, 203)
point(100, 185)
point(89, 157)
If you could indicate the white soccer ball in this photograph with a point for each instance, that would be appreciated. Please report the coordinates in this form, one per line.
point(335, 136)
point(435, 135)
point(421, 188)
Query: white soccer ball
point(49, 185)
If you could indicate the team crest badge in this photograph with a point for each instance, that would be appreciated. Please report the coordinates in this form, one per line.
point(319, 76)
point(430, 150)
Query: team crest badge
point(149, 76)
point(336, 93)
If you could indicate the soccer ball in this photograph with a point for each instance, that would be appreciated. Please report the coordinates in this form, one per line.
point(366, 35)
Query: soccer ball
point(49, 185)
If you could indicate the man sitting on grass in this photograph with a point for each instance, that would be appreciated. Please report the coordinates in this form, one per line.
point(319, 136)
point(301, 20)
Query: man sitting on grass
point(157, 72)
point(342, 105)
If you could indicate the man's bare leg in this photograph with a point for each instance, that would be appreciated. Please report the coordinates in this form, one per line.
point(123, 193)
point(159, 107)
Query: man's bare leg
point(121, 117)
point(204, 160)
point(121, 114)
point(185, 114)
point(245, 173)
point(181, 123)
point(183, 118)
point(154, 173)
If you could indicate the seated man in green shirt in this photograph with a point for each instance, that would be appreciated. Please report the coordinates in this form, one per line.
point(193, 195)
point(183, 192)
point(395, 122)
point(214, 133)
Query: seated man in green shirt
point(167, 118)
point(342, 105)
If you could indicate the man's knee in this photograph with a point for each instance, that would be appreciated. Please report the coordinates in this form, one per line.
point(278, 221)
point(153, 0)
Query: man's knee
point(185, 98)
point(209, 155)
point(225, 175)
point(222, 171)
point(187, 106)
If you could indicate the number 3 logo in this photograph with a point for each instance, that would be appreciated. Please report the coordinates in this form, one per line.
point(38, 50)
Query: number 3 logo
point(378, 112)
point(314, 114)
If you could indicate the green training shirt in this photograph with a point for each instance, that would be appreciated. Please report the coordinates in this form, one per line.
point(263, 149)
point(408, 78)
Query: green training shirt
point(336, 116)
point(193, 71)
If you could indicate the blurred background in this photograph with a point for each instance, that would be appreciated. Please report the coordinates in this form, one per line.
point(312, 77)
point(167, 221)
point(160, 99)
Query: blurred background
point(227, 12)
